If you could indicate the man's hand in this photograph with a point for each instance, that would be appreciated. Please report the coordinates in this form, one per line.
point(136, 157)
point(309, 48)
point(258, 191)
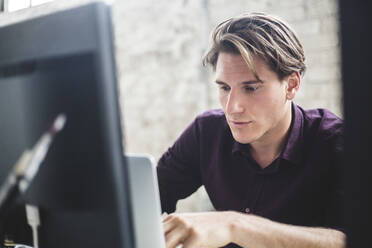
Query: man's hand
point(207, 230)
point(216, 229)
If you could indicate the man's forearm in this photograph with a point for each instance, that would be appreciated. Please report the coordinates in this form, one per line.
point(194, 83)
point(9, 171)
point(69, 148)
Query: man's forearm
point(253, 231)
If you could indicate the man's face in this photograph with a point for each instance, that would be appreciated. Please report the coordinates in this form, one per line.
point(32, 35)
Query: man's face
point(254, 109)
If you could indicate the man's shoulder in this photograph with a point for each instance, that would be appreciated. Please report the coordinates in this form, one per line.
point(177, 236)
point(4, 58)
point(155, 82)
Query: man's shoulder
point(212, 123)
point(324, 126)
point(323, 120)
point(212, 117)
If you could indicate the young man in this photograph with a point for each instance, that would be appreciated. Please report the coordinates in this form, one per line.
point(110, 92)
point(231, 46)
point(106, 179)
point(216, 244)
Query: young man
point(271, 169)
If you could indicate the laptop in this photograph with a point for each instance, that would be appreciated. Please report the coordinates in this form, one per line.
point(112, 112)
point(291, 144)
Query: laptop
point(145, 200)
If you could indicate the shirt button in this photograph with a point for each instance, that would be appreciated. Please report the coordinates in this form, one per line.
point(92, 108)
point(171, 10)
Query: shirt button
point(247, 210)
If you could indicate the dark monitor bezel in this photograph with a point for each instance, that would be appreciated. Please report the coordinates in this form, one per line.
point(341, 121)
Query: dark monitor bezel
point(83, 30)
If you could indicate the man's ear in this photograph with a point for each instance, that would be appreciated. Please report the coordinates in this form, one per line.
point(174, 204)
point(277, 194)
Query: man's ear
point(293, 85)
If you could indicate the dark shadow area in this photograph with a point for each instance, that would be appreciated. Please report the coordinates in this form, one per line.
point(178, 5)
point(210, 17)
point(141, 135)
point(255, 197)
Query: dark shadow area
point(356, 39)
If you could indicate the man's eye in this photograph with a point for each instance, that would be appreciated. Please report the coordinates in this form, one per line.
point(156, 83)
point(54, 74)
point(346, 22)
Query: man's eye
point(250, 89)
point(224, 88)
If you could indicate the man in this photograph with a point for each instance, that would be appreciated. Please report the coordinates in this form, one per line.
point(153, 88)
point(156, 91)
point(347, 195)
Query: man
point(271, 169)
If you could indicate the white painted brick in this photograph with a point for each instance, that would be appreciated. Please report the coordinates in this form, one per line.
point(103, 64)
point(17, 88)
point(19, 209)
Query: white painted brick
point(322, 73)
point(307, 27)
point(313, 43)
point(329, 24)
point(319, 8)
point(324, 57)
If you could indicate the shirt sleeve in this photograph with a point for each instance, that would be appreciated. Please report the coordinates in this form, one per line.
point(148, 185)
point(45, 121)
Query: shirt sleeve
point(179, 169)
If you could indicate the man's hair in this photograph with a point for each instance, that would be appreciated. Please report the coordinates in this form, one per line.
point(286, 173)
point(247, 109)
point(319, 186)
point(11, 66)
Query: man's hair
point(261, 35)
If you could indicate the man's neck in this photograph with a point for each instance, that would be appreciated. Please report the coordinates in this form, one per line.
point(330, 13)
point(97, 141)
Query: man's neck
point(269, 147)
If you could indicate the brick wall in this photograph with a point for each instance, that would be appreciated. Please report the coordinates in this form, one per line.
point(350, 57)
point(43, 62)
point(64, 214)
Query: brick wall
point(162, 83)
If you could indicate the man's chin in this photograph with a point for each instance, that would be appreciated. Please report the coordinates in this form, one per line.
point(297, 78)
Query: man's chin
point(243, 140)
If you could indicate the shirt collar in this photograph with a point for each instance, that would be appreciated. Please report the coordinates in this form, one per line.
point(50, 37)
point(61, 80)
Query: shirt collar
point(292, 150)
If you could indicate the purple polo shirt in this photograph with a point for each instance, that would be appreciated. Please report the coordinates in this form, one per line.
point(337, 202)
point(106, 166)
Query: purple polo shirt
point(303, 186)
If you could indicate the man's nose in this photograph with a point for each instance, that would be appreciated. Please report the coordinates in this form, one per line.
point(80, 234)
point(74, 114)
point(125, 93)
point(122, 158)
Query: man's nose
point(234, 104)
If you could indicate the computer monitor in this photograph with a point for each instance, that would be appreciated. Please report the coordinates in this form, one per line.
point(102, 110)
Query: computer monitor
point(64, 63)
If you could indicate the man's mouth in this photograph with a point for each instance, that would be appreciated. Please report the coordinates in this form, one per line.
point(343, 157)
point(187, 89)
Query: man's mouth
point(240, 124)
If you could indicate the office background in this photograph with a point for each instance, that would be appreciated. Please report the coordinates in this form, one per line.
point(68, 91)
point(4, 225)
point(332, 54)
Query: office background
point(162, 83)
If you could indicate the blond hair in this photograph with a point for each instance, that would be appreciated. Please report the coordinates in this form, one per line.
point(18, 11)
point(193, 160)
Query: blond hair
point(262, 35)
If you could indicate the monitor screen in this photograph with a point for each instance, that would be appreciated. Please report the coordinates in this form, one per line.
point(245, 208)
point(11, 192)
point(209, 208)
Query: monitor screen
point(64, 63)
